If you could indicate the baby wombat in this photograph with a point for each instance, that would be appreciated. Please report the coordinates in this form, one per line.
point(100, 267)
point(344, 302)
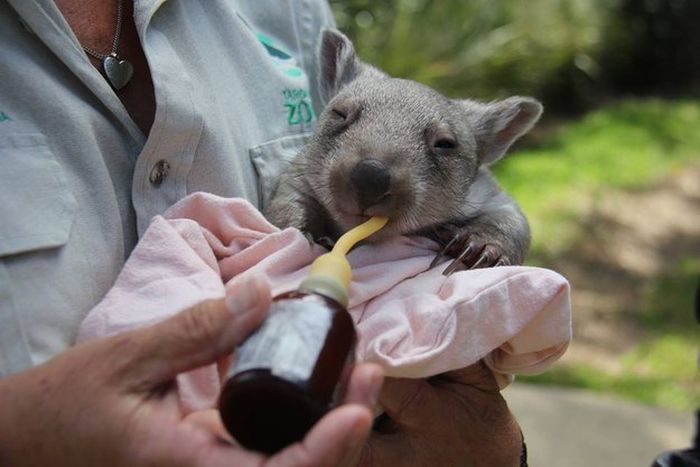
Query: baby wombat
point(396, 148)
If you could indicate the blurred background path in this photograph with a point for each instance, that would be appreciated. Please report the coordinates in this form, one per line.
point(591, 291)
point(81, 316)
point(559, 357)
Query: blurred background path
point(575, 428)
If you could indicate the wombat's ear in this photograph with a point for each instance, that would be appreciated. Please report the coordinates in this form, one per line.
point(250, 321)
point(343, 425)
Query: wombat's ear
point(498, 124)
point(339, 64)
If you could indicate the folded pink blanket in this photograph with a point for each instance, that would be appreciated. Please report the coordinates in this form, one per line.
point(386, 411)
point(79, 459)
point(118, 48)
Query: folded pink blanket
point(413, 321)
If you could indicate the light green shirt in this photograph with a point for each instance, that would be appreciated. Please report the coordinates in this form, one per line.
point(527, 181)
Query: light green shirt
point(78, 179)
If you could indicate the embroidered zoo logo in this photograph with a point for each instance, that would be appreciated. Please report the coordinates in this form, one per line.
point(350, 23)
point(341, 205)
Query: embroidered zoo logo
point(297, 101)
point(4, 117)
point(298, 104)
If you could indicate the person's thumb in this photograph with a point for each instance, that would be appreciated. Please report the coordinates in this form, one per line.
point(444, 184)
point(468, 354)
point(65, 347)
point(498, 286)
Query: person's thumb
point(202, 334)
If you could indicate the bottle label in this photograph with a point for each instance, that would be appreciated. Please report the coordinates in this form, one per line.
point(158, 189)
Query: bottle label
point(288, 342)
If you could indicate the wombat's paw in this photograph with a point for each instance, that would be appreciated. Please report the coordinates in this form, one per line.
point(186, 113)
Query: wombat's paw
point(326, 242)
point(472, 249)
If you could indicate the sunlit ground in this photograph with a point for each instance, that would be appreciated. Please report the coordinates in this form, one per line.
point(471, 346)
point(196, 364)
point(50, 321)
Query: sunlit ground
point(614, 203)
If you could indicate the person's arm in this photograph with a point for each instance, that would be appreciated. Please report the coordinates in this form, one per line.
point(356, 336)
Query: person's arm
point(112, 402)
point(455, 419)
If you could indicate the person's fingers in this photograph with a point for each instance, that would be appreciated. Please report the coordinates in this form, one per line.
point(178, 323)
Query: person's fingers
point(364, 386)
point(203, 333)
point(336, 440)
point(209, 420)
point(412, 401)
point(383, 450)
point(196, 446)
point(404, 400)
point(478, 376)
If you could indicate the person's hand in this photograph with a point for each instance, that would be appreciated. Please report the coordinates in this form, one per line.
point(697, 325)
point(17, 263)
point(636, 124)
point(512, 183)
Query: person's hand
point(456, 419)
point(112, 402)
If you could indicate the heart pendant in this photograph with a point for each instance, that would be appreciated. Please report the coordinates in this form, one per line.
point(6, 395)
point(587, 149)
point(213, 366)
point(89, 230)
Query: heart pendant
point(118, 72)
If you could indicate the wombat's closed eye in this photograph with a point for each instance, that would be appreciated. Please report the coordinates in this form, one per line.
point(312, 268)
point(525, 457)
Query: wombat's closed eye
point(396, 148)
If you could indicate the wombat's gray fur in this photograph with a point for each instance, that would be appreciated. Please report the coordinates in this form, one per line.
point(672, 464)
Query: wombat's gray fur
point(397, 148)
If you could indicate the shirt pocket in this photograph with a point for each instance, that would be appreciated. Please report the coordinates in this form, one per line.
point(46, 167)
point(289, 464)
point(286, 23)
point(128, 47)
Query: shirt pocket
point(270, 159)
point(37, 209)
point(36, 213)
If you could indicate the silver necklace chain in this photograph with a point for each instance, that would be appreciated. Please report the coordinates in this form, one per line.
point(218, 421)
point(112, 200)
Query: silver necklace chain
point(118, 72)
point(115, 41)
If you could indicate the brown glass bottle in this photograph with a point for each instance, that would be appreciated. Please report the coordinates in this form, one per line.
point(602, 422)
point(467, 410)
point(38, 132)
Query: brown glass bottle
point(289, 373)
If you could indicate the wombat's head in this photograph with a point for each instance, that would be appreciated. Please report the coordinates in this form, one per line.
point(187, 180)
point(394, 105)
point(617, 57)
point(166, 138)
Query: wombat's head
point(396, 148)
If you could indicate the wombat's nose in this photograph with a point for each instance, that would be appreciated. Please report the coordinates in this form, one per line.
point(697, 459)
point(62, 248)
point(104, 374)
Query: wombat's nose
point(371, 180)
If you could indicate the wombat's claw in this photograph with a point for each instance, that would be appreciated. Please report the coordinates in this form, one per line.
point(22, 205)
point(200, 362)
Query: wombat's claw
point(443, 252)
point(458, 260)
point(489, 257)
point(502, 261)
point(471, 252)
point(474, 256)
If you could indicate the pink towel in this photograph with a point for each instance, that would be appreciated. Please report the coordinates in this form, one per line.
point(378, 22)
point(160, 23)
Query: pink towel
point(413, 321)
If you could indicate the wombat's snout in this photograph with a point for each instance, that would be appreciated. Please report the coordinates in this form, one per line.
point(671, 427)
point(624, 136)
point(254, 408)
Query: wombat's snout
point(371, 180)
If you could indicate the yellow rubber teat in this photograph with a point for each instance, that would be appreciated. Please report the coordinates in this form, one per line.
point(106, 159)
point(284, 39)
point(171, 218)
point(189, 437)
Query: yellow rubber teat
point(330, 273)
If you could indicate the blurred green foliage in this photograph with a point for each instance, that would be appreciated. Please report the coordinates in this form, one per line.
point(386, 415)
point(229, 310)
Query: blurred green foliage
point(568, 53)
point(658, 372)
point(662, 369)
point(626, 144)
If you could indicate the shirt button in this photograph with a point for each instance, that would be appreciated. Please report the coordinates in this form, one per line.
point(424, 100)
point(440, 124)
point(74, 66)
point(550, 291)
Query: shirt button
point(159, 172)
